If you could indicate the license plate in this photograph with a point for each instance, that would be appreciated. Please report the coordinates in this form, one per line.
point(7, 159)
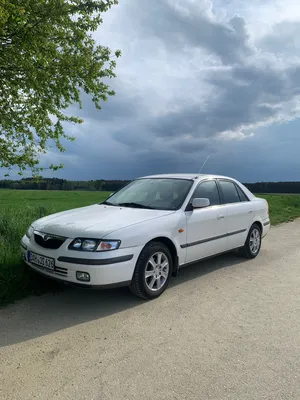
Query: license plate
point(41, 261)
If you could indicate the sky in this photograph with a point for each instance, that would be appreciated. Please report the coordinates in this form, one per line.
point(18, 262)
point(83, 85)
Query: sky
point(196, 78)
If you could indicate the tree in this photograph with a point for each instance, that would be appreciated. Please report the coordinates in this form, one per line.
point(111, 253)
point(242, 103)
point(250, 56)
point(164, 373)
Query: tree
point(48, 59)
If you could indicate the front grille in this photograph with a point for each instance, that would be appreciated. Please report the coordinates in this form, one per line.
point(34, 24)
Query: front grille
point(48, 241)
point(56, 270)
point(61, 271)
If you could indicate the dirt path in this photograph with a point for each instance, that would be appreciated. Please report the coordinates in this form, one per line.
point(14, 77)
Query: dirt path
point(225, 329)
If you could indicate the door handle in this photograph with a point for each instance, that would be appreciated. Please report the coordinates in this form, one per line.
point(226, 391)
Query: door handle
point(250, 212)
point(221, 216)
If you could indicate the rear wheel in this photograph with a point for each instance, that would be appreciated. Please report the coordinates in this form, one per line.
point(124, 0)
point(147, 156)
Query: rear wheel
point(152, 272)
point(253, 242)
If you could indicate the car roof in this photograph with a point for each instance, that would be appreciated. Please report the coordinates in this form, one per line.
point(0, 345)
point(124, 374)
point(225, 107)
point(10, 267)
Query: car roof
point(187, 176)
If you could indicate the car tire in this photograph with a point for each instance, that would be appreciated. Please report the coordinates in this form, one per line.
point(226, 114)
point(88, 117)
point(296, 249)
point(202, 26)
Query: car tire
point(153, 268)
point(252, 245)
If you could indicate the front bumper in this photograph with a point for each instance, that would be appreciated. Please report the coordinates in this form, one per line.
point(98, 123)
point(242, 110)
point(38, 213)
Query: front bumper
point(112, 268)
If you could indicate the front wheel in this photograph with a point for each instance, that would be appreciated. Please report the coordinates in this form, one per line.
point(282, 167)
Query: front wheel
point(253, 242)
point(152, 272)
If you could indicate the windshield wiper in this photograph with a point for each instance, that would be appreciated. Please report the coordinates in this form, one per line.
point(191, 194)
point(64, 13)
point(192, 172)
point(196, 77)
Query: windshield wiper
point(135, 205)
point(108, 203)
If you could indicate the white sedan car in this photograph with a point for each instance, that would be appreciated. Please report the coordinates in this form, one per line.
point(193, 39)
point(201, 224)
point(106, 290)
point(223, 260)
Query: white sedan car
point(142, 234)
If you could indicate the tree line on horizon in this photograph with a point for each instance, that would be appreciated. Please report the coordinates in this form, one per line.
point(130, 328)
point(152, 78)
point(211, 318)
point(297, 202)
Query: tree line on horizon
point(113, 185)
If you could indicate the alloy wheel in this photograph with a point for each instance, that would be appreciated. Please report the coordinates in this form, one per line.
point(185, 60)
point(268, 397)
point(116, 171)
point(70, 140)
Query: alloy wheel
point(254, 242)
point(157, 271)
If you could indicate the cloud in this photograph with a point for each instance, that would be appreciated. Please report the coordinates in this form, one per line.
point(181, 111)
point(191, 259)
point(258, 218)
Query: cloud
point(195, 77)
point(283, 40)
point(181, 25)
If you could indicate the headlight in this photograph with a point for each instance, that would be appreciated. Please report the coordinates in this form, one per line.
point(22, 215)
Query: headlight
point(94, 244)
point(88, 245)
point(105, 245)
point(29, 232)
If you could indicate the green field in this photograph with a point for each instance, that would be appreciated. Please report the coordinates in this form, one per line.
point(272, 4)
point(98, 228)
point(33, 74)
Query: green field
point(19, 208)
point(282, 207)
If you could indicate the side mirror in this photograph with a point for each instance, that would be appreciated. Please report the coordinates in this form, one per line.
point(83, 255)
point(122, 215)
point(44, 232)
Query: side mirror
point(200, 202)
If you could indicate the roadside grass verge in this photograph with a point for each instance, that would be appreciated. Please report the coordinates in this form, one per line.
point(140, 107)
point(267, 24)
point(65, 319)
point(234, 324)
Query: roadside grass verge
point(16, 281)
point(18, 209)
point(282, 207)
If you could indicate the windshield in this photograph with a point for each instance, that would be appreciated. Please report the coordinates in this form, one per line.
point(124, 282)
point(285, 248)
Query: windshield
point(155, 193)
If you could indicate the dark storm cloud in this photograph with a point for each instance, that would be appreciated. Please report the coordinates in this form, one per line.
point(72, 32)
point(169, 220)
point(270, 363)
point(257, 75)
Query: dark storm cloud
point(132, 137)
point(187, 79)
point(248, 95)
point(187, 27)
point(121, 105)
point(253, 91)
point(189, 147)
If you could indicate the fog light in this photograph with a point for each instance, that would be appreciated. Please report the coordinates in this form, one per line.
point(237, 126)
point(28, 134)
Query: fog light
point(83, 276)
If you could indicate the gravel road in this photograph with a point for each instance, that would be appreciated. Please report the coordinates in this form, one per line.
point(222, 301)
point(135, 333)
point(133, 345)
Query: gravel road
point(225, 329)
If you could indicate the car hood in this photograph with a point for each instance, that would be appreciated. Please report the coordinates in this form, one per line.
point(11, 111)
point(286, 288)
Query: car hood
point(95, 221)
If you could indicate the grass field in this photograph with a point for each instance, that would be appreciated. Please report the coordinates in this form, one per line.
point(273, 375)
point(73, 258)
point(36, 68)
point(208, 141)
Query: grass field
point(20, 208)
point(282, 207)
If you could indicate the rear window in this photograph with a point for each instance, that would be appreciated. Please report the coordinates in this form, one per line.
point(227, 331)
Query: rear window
point(242, 195)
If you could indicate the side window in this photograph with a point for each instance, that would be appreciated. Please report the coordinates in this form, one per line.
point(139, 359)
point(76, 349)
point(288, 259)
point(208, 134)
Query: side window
point(242, 195)
point(229, 191)
point(208, 190)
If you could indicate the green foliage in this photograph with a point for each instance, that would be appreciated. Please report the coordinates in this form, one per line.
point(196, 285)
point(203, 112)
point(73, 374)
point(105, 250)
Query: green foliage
point(18, 210)
point(274, 187)
point(40, 183)
point(15, 279)
point(48, 57)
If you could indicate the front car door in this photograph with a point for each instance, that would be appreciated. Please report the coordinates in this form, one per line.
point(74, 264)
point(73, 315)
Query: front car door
point(239, 210)
point(206, 227)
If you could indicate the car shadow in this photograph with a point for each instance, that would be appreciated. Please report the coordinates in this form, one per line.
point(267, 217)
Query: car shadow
point(37, 316)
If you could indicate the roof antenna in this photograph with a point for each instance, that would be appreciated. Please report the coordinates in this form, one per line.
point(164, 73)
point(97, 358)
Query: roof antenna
point(204, 163)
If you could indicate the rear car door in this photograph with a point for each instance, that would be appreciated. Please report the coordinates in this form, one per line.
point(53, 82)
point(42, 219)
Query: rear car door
point(206, 227)
point(239, 210)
